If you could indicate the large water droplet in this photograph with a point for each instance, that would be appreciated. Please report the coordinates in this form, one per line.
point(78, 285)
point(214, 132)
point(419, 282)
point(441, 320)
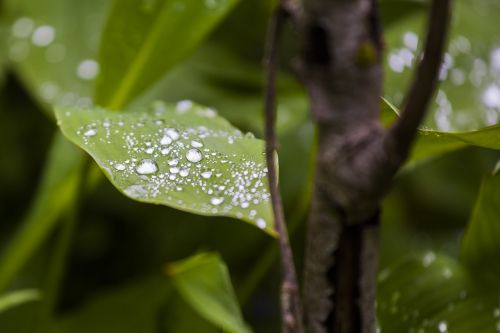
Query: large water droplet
point(184, 106)
point(90, 132)
point(165, 140)
point(43, 35)
point(196, 144)
point(88, 69)
point(23, 27)
point(147, 167)
point(261, 223)
point(216, 201)
point(442, 326)
point(206, 174)
point(172, 133)
point(119, 167)
point(194, 155)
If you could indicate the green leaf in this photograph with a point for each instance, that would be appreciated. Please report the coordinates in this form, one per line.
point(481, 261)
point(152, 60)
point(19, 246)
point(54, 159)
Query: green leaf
point(18, 297)
point(144, 39)
point(467, 96)
point(182, 156)
point(203, 280)
point(57, 190)
point(51, 43)
point(433, 293)
point(481, 242)
point(430, 143)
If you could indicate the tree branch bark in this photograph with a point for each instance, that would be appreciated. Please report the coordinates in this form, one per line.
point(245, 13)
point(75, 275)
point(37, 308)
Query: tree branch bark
point(357, 159)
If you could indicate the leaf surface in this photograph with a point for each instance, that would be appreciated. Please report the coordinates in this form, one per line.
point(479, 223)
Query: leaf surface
point(183, 156)
point(144, 39)
point(203, 280)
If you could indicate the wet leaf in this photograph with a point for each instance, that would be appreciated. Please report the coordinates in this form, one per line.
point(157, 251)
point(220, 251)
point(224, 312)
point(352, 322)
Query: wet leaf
point(144, 39)
point(203, 280)
point(18, 297)
point(481, 242)
point(434, 293)
point(468, 96)
point(52, 45)
point(183, 156)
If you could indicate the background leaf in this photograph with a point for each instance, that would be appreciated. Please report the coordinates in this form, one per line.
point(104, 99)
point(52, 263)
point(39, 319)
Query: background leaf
point(434, 293)
point(182, 156)
point(142, 40)
point(18, 297)
point(481, 242)
point(203, 280)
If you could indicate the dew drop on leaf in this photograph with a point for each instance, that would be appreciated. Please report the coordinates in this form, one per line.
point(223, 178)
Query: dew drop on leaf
point(216, 201)
point(147, 167)
point(194, 155)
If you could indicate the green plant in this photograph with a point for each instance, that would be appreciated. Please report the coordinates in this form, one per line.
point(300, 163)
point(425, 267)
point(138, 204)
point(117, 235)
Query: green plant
point(161, 97)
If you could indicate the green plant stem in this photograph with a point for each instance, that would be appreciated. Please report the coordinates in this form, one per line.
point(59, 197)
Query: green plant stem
point(267, 261)
point(60, 252)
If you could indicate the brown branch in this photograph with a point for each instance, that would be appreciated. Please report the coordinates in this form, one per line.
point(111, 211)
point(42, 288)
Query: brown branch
point(291, 308)
point(402, 133)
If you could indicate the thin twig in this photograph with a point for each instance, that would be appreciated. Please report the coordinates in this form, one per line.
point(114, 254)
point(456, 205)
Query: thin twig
point(421, 91)
point(291, 308)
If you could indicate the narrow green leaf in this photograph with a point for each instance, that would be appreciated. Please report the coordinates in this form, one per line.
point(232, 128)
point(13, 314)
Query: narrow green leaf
point(203, 280)
point(144, 39)
point(56, 192)
point(182, 156)
point(433, 293)
point(481, 242)
point(430, 143)
point(18, 297)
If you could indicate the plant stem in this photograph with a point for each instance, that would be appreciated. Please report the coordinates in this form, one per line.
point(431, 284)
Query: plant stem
point(291, 308)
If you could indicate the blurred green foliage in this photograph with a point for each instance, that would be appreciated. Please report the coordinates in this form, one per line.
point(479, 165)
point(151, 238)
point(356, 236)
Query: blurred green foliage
point(113, 281)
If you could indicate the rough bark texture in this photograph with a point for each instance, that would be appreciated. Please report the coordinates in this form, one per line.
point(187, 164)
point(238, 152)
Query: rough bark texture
point(341, 68)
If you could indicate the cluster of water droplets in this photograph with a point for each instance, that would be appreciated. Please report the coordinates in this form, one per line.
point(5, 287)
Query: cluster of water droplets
point(419, 321)
point(30, 40)
point(169, 160)
point(463, 69)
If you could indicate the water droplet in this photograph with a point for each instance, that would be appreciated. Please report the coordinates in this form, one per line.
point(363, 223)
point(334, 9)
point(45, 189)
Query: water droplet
point(90, 132)
point(23, 27)
point(206, 174)
point(146, 167)
point(410, 40)
point(119, 167)
point(43, 35)
point(165, 140)
point(173, 162)
point(194, 155)
point(183, 106)
point(88, 69)
point(172, 133)
point(196, 144)
point(174, 170)
point(216, 201)
point(442, 326)
point(496, 312)
point(261, 223)
point(428, 259)
point(249, 135)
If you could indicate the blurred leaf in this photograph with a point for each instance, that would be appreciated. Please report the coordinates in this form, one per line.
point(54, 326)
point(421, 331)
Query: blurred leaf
point(18, 297)
point(183, 156)
point(203, 280)
point(468, 96)
point(433, 293)
point(56, 192)
point(481, 242)
point(143, 40)
point(53, 47)
point(430, 143)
